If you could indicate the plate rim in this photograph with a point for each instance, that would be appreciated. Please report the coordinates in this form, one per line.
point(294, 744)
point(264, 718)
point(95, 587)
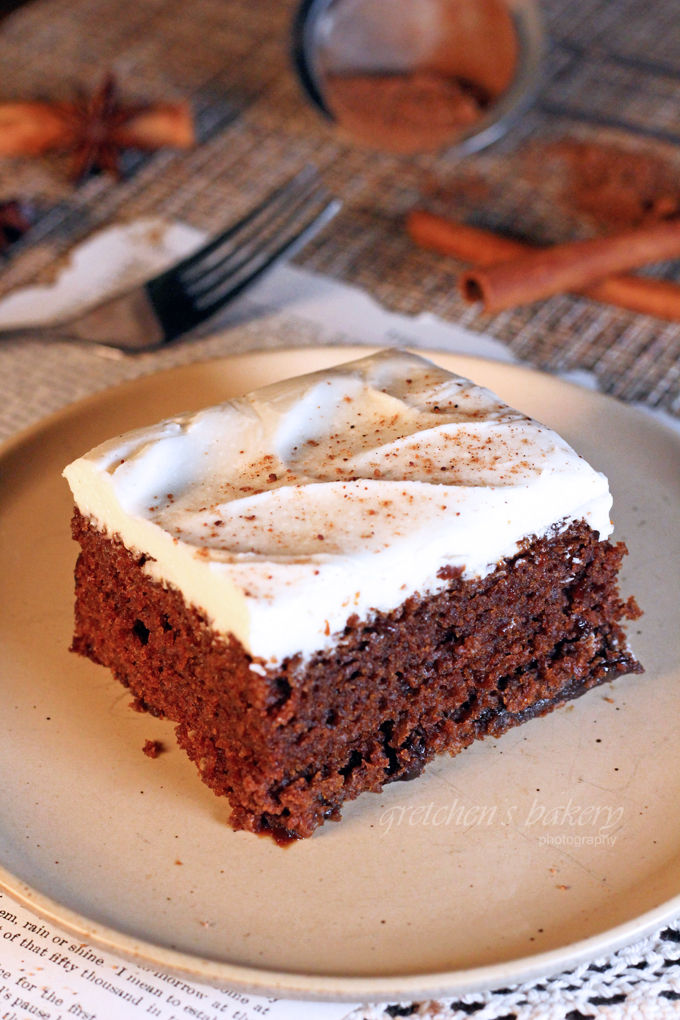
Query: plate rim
point(335, 988)
point(330, 987)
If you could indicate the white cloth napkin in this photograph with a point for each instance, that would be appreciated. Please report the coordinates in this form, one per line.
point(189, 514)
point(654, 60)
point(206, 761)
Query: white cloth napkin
point(107, 263)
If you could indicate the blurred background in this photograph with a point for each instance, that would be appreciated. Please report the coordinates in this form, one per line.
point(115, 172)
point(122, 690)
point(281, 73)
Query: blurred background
point(610, 76)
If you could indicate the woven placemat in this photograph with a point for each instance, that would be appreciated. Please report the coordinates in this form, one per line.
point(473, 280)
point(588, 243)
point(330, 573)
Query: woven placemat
point(231, 58)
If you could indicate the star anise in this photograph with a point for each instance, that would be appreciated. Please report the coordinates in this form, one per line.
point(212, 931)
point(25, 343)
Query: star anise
point(96, 124)
point(93, 129)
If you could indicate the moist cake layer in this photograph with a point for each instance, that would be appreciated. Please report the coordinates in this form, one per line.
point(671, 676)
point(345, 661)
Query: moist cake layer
point(284, 513)
point(290, 743)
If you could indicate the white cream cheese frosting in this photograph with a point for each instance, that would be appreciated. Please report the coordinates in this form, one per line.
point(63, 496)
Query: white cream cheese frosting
point(284, 512)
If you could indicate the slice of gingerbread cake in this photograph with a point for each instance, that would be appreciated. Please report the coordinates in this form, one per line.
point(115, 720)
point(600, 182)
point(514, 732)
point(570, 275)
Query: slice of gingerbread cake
point(326, 582)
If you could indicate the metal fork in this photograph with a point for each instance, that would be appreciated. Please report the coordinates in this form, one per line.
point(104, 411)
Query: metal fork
point(201, 285)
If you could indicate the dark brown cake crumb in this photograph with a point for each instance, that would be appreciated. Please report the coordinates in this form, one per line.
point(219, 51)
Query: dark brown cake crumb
point(288, 745)
point(152, 748)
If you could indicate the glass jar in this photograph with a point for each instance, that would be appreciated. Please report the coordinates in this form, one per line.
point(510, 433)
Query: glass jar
point(419, 75)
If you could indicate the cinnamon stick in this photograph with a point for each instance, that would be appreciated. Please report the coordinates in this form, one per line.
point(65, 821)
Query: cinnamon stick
point(540, 274)
point(471, 244)
point(32, 129)
point(165, 124)
point(485, 248)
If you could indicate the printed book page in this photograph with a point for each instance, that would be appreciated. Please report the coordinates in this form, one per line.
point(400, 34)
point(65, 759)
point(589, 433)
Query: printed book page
point(46, 974)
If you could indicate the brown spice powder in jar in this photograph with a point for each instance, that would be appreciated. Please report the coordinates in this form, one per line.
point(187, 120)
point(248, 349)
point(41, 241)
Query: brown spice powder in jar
point(406, 112)
point(456, 76)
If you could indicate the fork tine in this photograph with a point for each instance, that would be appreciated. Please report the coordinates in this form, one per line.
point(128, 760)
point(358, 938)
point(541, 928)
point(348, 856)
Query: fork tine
point(195, 263)
point(177, 311)
point(236, 258)
point(232, 285)
point(249, 232)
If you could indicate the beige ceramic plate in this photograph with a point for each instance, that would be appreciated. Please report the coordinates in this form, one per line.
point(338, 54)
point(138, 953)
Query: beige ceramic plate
point(521, 856)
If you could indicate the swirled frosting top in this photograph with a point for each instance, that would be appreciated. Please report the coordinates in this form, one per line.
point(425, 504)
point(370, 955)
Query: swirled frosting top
point(284, 512)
